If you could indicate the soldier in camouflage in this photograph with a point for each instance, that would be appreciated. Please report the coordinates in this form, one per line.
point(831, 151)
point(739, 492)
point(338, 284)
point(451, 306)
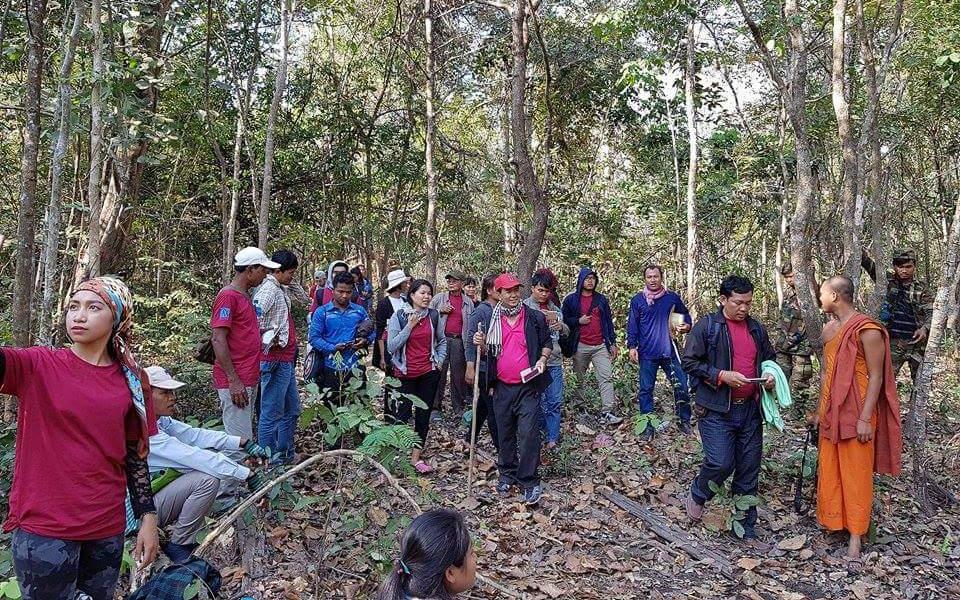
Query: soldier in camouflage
point(793, 349)
point(906, 311)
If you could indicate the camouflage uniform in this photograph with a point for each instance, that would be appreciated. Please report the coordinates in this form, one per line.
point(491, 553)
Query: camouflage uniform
point(55, 569)
point(913, 298)
point(793, 349)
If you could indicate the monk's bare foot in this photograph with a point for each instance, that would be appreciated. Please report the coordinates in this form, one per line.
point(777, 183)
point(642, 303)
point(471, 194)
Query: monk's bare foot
point(853, 548)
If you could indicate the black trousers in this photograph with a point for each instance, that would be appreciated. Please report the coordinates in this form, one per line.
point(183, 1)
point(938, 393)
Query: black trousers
point(517, 410)
point(423, 387)
point(485, 413)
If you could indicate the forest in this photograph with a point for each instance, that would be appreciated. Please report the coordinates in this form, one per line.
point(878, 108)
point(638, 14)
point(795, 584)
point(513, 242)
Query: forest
point(153, 139)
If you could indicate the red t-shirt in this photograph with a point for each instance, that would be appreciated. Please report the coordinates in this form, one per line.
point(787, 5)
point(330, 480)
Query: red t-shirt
point(287, 353)
point(513, 358)
point(73, 423)
point(235, 312)
point(590, 334)
point(744, 356)
point(419, 346)
point(454, 324)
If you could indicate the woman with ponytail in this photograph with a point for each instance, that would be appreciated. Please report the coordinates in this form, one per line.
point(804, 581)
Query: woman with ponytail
point(417, 347)
point(437, 560)
point(83, 425)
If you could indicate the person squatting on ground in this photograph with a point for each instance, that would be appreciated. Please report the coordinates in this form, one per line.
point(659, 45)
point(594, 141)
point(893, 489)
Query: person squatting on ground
point(650, 333)
point(477, 361)
point(279, 398)
point(187, 468)
point(339, 330)
point(417, 346)
point(593, 340)
point(236, 343)
point(517, 339)
point(437, 560)
point(83, 426)
point(859, 416)
point(722, 354)
point(455, 308)
point(794, 354)
point(543, 287)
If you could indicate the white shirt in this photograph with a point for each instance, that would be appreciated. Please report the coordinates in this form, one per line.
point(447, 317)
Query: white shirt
point(397, 303)
point(185, 448)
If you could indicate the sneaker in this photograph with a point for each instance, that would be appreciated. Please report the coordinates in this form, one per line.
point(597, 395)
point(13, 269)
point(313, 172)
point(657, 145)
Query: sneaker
point(531, 497)
point(608, 418)
point(503, 488)
point(694, 510)
point(685, 428)
point(648, 434)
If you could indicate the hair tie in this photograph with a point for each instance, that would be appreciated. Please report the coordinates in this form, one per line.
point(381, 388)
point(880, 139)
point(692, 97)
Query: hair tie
point(404, 569)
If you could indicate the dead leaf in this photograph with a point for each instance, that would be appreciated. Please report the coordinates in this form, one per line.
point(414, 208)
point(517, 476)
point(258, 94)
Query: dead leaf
point(748, 563)
point(581, 428)
point(793, 543)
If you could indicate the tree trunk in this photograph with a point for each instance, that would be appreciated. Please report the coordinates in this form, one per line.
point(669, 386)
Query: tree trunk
point(47, 319)
point(852, 208)
point(432, 234)
point(91, 260)
point(23, 285)
point(506, 181)
point(270, 137)
point(690, 102)
point(921, 393)
point(527, 185)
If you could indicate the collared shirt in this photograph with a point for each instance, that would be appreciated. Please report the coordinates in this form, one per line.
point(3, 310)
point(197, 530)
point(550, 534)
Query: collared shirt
point(184, 448)
point(513, 358)
point(331, 326)
point(273, 312)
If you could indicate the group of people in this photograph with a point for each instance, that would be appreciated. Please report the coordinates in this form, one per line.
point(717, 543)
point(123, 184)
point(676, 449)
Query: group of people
point(96, 431)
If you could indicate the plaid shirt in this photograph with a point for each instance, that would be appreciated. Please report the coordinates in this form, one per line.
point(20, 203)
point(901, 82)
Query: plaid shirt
point(273, 309)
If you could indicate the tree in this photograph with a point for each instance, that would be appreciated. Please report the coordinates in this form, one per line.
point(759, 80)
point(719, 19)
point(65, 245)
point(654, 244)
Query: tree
point(431, 233)
point(690, 82)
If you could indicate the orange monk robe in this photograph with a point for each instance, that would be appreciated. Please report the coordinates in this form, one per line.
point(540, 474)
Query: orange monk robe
point(846, 465)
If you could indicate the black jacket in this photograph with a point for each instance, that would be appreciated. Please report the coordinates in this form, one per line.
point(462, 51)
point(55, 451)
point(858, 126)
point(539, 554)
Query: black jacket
point(537, 335)
point(708, 351)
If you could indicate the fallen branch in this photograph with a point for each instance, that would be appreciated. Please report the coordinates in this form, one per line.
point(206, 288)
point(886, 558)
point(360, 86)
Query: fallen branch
point(665, 530)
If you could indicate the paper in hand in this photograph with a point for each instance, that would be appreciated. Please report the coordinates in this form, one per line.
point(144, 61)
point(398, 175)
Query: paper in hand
point(528, 374)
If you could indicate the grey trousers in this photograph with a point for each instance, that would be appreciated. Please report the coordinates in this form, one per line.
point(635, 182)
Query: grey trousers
point(237, 421)
point(456, 366)
point(602, 363)
point(184, 503)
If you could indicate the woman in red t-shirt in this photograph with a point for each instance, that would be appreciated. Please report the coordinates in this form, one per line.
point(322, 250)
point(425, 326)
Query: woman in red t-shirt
point(85, 417)
point(417, 348)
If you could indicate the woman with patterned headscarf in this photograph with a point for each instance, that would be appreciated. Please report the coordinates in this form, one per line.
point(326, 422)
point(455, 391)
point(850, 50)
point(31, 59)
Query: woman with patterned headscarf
point(85, 417)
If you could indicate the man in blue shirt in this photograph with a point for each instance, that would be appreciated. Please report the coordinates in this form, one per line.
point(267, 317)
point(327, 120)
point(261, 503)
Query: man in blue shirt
point(651, 344)
point(339, 329)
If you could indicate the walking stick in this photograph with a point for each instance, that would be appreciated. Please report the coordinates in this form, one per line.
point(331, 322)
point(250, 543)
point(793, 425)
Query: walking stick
point(473, 419)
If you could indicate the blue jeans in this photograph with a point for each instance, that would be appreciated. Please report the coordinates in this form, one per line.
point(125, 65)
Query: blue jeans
point(732, 443)
point(550, 401)
point(676, 376)
point(279, 407)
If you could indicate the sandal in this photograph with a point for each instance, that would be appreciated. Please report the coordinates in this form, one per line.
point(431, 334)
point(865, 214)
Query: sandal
point(422, 467)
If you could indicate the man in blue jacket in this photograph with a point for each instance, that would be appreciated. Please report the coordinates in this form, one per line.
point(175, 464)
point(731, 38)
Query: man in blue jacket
point(339, 329)
point(593, 339)
point(651, 344)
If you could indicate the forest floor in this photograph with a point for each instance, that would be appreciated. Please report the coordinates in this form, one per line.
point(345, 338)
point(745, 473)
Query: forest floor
point(579, 544)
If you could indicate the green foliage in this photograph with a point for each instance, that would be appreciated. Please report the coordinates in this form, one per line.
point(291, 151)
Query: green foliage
point(737, 506)
point(10, 589)
point(642, 421)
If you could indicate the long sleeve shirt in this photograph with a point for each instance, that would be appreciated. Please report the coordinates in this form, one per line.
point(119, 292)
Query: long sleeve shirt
point(648, 326)
point(184, 448)
point(331, 326)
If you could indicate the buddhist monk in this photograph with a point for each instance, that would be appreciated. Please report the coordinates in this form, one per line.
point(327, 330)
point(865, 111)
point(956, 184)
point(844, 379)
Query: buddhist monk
point(859, 416)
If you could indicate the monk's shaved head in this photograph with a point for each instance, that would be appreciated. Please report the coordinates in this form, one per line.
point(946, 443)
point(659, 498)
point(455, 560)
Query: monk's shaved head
point(842, 286)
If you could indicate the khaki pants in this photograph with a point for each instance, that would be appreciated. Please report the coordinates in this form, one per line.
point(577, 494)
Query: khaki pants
point(183, 504)
point(602, 363)
point(237, 421)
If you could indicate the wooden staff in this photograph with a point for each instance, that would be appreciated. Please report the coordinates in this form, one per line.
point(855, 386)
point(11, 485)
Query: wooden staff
point(473, 419)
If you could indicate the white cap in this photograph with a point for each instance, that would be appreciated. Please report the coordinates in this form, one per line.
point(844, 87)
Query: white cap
point(395, 278)
point(159, 378)
point(252, 255)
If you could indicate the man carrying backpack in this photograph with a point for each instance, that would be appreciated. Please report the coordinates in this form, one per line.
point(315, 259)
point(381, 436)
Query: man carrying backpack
point(722, 356)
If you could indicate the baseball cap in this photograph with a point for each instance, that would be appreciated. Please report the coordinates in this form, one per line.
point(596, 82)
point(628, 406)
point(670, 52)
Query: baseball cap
point(458, 275)
point(159, 378)
point(506, 281)
point(252, 255)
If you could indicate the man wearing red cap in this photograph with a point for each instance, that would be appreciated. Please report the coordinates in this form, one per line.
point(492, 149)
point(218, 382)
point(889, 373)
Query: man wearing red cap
point(518, 345)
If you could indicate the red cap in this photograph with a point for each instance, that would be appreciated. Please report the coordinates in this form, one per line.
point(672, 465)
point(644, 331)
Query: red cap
point(506, 281)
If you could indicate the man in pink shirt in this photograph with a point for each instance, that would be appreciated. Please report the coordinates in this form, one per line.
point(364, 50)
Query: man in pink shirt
point(517, 340)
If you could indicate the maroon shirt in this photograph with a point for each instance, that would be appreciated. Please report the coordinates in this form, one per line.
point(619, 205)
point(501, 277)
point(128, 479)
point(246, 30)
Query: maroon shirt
point(419, 346)
point(744, 356)
point(235, 312)
point(591, 334)
point(454, 324)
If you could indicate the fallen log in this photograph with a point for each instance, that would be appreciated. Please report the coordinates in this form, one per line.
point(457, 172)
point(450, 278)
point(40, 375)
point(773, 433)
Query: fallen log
point(676, 536)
